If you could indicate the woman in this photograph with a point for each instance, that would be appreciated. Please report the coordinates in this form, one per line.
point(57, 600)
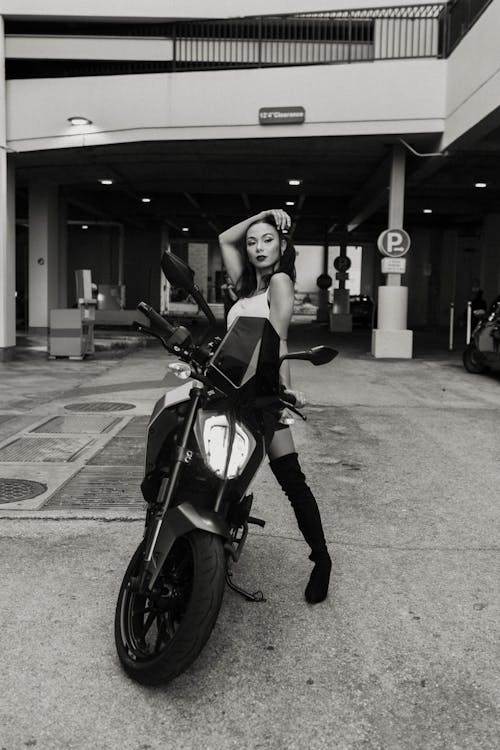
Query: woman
point(260, 262)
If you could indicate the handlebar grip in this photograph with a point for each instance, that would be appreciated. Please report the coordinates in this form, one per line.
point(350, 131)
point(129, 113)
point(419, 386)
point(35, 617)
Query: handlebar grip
point(155, 318)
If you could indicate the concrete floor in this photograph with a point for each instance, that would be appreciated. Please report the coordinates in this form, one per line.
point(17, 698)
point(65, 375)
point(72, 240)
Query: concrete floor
point(403, 457)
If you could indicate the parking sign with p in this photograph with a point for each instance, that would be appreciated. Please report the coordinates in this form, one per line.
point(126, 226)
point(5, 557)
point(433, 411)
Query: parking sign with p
point(394, 243)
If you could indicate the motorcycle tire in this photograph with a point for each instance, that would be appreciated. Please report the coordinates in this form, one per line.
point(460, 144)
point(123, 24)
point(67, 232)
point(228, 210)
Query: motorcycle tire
point(472, 360)
point(158, 635)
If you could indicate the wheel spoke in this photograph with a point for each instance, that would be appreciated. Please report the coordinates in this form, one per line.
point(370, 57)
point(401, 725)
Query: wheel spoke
point(170, 625)
point(161, 632)
point(149, 621)
point(143, 611)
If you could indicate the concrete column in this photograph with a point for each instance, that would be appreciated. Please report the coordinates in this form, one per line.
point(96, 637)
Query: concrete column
point(397, 200)
point(322, 311)
point(341, 318)
point(165, 286)
point(43, 253)
point(7, 227)
point(391, 339)
point(63, 254)
point(370, 253)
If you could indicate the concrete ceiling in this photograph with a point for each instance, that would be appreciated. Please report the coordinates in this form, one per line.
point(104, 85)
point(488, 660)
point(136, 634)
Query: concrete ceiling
point(208, 185)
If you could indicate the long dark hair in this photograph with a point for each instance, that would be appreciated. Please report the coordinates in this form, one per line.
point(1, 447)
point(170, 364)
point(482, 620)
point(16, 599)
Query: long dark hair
point(247, 283)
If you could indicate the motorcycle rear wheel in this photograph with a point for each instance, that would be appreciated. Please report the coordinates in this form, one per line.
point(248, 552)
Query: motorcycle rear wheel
point(159, 635)
point(473, 361)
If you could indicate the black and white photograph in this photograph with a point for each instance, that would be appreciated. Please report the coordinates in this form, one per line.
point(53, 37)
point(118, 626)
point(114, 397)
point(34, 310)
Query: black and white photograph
point(250, 374)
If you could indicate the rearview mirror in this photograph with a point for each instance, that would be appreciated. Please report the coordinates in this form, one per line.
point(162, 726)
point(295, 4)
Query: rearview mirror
point(178, 273)
point(318, 355)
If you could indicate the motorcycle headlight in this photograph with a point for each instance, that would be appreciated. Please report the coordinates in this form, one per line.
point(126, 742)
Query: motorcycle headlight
point(218, 449)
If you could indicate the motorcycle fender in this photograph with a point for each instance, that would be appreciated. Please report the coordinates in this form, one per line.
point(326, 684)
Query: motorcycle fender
point(179, 521)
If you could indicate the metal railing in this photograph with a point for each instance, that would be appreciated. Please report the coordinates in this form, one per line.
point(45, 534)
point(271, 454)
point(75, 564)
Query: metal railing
point(311, 38)
point(388, 33)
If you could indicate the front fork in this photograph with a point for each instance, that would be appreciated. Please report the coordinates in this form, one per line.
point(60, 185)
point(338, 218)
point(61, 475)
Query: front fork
point(168, 487)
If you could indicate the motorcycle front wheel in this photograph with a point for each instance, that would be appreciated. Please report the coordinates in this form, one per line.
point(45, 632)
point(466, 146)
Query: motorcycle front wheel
point(159, 634)
point(473, 361)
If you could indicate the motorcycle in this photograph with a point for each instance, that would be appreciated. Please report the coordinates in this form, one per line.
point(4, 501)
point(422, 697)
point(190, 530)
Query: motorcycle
point(205, 442)
point(482, 352)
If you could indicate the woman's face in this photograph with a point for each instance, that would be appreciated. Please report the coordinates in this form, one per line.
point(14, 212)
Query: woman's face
point(263, 245)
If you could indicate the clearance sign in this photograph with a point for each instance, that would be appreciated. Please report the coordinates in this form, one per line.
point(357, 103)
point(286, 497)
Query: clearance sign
point(281, 115)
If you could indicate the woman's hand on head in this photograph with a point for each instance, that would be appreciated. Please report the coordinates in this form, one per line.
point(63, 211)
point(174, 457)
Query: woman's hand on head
point(281, 218)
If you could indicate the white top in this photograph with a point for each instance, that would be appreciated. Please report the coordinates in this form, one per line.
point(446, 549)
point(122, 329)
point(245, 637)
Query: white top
point(250, 307)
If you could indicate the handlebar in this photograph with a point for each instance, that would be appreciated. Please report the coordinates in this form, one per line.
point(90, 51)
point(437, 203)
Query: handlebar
point(155, 318)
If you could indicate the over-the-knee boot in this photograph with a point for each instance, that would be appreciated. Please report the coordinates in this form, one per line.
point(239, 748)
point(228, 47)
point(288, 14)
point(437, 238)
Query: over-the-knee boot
point(287, 471)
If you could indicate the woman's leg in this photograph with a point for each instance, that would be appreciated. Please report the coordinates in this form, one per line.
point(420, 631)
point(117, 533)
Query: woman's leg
point(281, 444)
point(286, 468)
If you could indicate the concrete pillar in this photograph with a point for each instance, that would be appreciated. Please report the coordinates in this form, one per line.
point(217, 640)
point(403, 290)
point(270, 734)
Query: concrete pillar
point(341, 318)
point(165, 286)
point(391, 339)
point(43, 253)
point(397, 200)
point(7, 227)
point(370, 253)
point(323, 311)
point(63, 254)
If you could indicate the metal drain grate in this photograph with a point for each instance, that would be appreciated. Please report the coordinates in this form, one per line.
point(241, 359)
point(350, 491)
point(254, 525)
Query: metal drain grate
point(126, 451)
point(53, 450)
point(97, 487)
point(100, 406)
point(78, 425)
point(135, 428)
point(14, 490)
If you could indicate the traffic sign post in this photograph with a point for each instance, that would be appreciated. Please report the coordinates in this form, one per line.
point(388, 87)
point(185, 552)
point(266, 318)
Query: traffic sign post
point(340, 316)
point(391, 338)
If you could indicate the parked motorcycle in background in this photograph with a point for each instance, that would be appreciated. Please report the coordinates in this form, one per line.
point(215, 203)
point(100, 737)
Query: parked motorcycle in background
point(482, 352)
point(205, 442)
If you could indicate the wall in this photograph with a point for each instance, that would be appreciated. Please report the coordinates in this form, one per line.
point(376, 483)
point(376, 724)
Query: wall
point(356, 99)
point(473, 89)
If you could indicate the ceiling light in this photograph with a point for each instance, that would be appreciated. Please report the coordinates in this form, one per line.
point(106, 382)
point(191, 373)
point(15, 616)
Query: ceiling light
point(294, 181)
point(77, 120)
point(85, 226)
point(480, 184)
point(185, 229)
point(290, 203)
point(146, 200)
point(427, 210)
point(106, 182)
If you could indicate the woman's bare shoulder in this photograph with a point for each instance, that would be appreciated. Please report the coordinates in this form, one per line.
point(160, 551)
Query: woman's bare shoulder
point(281, 281)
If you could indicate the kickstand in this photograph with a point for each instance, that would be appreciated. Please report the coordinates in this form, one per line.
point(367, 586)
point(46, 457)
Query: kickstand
point(257, 596)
